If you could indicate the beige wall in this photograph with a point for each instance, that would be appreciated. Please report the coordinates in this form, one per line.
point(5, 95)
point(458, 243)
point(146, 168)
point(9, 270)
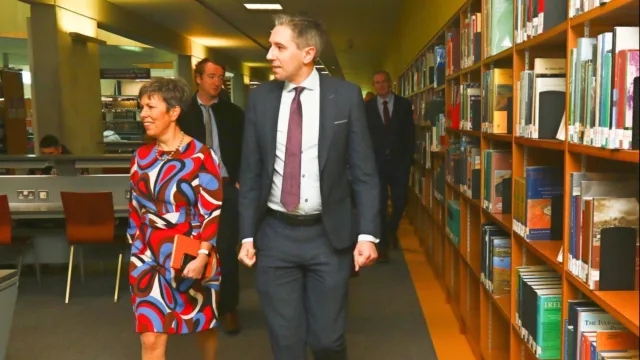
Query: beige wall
point(419, 21)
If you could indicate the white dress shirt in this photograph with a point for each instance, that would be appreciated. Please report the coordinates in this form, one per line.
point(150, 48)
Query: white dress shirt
point(214, 131)
point(389, 101)
point(310, 198)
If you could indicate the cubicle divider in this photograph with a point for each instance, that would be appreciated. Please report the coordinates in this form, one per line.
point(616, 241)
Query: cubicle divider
point(36, 200)
point(41, 191)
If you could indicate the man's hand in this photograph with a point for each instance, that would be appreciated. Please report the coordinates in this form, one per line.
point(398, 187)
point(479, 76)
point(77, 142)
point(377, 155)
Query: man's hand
point(247, 254)
point(365, 254)
point(238, 185)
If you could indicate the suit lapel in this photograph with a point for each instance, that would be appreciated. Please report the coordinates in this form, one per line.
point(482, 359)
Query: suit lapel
point(327, 110)
point(271, 122)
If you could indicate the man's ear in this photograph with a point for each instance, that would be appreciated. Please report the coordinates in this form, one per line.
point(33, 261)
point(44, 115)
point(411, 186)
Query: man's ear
point(309, 55)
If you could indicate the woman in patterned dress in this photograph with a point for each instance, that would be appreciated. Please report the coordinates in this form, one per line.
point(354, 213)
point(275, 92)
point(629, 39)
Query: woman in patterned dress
point(175, 190)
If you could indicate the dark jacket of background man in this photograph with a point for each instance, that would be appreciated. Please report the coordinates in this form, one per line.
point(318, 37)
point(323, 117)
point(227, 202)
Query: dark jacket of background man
point(229, 119)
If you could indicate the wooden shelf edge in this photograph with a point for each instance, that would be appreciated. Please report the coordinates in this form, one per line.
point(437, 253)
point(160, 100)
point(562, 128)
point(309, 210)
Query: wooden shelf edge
point(499, 56)
point(495, 354)
point(502, 220)
point(599, 11)
point(498, 137)
point(546, 250)
point(631, 156)
point(622, 305)
point(550, 144)
point(502, 302)
point(545, 37)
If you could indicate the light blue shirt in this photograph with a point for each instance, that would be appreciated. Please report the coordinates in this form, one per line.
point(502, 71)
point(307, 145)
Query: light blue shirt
point(214, 136)
point(389, 99)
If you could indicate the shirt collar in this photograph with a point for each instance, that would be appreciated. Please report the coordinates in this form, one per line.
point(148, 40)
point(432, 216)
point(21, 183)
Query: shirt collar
point(389, 98)
point(312, 82)
point(201, 103)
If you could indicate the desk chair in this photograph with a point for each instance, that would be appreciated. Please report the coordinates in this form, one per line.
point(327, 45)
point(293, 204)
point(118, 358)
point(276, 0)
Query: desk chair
point(89, 219)
point(8, 238)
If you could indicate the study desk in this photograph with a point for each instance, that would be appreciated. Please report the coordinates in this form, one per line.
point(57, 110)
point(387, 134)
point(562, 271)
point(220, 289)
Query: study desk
point(21, 211)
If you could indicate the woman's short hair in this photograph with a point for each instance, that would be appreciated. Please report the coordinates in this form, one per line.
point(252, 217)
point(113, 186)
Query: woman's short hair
point(174, 92)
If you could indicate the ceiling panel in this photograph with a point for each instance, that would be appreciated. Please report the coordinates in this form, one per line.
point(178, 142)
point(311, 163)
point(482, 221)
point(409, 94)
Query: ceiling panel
point(192, 19)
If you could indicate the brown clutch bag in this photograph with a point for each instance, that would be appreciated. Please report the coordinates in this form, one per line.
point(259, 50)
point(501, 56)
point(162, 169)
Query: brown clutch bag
point(185, 250)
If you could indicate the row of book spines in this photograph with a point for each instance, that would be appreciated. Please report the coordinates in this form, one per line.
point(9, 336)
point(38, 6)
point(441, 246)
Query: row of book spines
point(538, 203)
point(603, 219)
point(463, 166)
point(608, 344)
point(428, 70)
point(538, 292)
point(471, 43)
point(601, 104)
point(534, 17)
point(453, 222)
point(497, 181)
point(541, 99)
point(495, 260)
point(585, 317)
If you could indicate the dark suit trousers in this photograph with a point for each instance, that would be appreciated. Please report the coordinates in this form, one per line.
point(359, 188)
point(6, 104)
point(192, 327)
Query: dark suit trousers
point(302, 282)
point(394, 182)
point(227, 245)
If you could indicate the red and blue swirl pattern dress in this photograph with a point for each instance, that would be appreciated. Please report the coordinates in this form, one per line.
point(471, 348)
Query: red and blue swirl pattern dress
point(179, 195)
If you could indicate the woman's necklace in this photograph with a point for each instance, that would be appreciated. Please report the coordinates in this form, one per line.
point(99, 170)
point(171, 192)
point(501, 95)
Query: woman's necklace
point(162, 157)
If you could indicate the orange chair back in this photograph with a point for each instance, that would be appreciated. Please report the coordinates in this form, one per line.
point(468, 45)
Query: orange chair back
point(5, 221)
point(89, 217)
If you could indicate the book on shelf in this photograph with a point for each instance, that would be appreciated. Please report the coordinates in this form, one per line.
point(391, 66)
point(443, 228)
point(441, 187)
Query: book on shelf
point(470, 107)
point(497, 90)
point(499, 35)
point(603, 69)
point(539, 309)
point(471, 40)
point(538, 193)
point(585, 317)
point(603, 188)
point(453, 222)
point(497, 168)
point(495, 272)
point(541, 94)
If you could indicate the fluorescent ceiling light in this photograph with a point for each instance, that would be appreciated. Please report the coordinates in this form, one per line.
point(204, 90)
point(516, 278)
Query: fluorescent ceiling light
point(254, 6)
point(130, 48)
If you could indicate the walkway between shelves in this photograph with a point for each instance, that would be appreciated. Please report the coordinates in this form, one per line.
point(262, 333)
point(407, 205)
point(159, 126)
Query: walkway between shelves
point(443, 326)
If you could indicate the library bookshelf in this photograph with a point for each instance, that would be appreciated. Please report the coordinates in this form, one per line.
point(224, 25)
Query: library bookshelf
point(489, 320)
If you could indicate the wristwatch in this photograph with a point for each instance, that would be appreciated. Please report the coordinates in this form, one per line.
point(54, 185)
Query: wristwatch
point(205, 252)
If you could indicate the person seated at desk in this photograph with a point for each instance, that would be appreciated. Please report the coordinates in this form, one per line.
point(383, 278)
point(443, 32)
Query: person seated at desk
point(50, 145)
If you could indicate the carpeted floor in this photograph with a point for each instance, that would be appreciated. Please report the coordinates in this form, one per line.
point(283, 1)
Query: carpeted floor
point(386, 322)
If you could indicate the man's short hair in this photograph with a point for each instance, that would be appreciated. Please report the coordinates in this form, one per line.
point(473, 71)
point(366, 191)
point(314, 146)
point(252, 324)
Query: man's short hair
point(49, 141)
point(383, 72)
point(174, 92)
point(306, 31)
point(199, 68)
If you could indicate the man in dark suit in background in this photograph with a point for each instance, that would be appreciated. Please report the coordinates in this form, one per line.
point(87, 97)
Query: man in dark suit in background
point(306, 150)
point(390, 119)
point(219, 124)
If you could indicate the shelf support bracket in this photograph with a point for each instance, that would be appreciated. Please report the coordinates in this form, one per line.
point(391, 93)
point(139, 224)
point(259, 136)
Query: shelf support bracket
point(526, 59)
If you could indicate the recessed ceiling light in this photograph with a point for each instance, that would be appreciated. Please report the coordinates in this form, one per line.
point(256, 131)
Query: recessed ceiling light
point(255, 6)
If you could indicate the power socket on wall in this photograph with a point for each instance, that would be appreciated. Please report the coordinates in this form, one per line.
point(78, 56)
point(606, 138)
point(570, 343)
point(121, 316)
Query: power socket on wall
point(26, 195)
point(43, 195)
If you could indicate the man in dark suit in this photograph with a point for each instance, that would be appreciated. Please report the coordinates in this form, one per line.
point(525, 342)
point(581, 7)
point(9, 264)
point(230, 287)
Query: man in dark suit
point(219, 124)
point(390, 119)
point(306, 152)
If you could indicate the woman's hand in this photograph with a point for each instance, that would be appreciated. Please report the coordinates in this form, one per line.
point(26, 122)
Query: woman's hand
point(195, 268)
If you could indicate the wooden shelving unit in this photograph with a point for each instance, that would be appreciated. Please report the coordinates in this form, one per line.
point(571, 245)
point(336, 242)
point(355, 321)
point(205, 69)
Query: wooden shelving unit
point(488, 321)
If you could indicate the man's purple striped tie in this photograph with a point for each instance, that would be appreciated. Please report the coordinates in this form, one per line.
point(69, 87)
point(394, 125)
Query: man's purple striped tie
point(290, 196)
